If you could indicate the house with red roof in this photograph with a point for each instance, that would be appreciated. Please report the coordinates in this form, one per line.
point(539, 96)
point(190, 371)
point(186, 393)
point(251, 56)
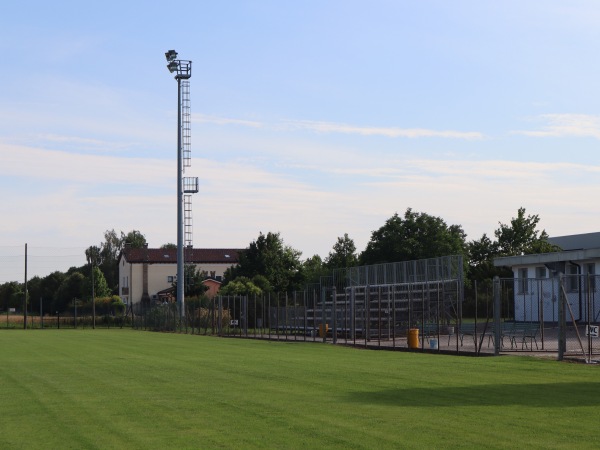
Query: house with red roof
point(147, 274)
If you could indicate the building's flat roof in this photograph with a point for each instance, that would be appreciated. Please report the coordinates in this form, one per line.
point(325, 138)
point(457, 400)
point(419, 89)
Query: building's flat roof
point(577, 241)
point(575, 247)
point(547, 258)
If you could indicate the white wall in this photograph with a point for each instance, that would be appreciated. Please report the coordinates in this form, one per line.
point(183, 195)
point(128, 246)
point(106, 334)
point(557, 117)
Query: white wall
point(539, 301)
point(157, 277)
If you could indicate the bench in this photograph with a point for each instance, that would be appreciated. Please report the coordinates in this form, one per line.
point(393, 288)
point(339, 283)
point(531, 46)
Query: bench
point(470, 329)
point(294, 329)
point(465, 329)
point(522, 331)
point(506, 329)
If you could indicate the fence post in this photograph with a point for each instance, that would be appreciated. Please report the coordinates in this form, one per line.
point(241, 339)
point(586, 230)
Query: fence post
point(220, 317)
point(352, 317)
point(245, 304)
point(367, 314)
point(334, 314)
point(323, 319)
point(562, 319)
point(295, 325)
point(497, 314)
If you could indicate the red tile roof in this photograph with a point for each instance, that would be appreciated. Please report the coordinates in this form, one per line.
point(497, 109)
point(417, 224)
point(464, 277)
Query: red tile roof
point(169, 255)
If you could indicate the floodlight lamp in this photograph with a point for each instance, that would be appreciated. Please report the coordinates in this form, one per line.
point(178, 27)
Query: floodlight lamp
point(172, 66)
point(171, 55)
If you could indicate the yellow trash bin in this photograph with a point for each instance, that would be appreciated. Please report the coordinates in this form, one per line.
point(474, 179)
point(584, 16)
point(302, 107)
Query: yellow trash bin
point(321, 332)
point(413, 338)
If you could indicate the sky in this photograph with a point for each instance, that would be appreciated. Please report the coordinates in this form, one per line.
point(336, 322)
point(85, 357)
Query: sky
point(312, 119)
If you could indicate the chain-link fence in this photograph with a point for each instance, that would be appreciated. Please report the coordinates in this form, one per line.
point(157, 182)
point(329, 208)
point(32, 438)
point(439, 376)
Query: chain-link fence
point(553, 315)
point(413, 305)
point(75, 317)
point(417, 305)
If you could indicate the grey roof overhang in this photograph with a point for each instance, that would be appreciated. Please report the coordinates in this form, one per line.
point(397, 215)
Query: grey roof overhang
point(546, 258)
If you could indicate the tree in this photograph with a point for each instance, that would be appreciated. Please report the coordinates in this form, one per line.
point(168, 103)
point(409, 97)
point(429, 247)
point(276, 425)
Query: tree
point(49, 287)
point(416, 236)
point(262, 283)
point(521, 237)
point(241, 286)
point(169, 245)
point(193, 281)
point(133, 239)
point(34, 288)
point(101, 288)
point(481, 260)
point(11, 295)
point(70, 289)
point(314, 269)
point(270, 257)
point(343, 254)
point(109, 254)
point(92, 255)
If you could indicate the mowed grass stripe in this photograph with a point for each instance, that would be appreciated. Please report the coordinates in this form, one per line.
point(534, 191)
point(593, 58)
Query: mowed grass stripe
point(129, 389)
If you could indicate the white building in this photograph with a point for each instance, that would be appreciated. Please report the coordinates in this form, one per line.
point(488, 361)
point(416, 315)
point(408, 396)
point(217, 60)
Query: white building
point(146, 272)
point(536, 286)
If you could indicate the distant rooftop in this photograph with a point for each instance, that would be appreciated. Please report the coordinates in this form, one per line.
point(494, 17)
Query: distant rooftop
point(575, 247)
point(577, 241)
point(169, 255)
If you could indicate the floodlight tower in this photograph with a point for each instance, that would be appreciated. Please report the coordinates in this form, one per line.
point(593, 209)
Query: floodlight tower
point(183, 72)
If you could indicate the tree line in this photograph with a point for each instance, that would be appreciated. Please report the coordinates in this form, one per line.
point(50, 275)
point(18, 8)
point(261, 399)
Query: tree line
point(61, 291)
point(267, 264)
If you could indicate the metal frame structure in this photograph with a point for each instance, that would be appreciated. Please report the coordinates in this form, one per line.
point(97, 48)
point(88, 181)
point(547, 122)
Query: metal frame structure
point(183, 72)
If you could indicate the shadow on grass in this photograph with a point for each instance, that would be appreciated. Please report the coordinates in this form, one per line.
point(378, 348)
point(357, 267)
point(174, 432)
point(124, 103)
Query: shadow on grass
point(534, 395)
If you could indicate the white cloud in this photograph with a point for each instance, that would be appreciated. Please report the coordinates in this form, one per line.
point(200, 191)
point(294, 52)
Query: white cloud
point(566, 125)
point(331, 127)
point(73, 197)
point(42, 164)
point(215, 120)
point(392, 132)
point(84, 143)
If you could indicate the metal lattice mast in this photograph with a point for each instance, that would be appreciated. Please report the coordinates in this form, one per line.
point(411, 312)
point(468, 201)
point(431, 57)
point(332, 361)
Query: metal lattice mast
point(190, 184)
point(186, 128)
point(183, 72)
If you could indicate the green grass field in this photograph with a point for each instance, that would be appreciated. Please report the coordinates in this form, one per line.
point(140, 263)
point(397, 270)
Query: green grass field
point(131, 389)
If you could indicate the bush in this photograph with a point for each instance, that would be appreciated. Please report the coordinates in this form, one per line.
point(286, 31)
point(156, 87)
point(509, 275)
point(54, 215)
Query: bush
point(207, 318)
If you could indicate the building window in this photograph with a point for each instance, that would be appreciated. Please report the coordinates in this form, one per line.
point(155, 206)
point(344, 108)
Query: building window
point(540, 272)
point(125, 282)
point(170, 279)
point(213, 273)
point(523, 281)
point(573, 278)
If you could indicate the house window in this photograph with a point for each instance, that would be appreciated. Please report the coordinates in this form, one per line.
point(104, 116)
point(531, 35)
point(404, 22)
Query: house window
point(540, 272)
point(125, 282)
point(170, 279)
point(213, 273)
point(591, 271)
point(523, 281)
point(573, 278)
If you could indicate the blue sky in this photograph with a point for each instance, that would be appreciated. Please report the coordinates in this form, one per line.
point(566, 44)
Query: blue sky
point(312, 119)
